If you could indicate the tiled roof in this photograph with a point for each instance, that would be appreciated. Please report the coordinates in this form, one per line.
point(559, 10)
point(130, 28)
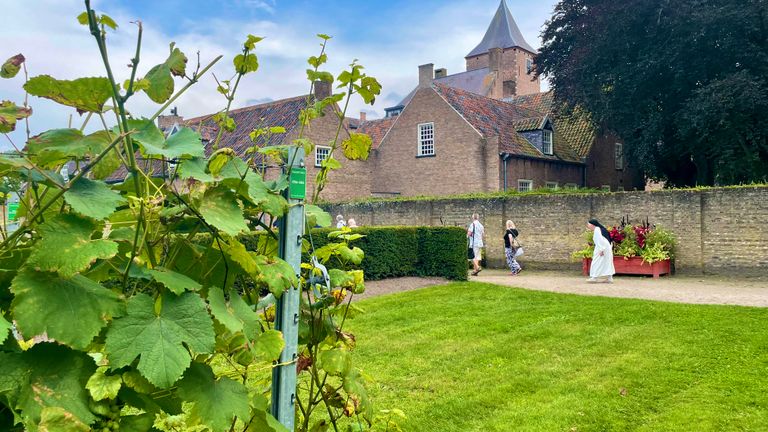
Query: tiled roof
point(377, 129)
point(502, 33)
point(283, 113)
point(478, 81)
point(532, 123)
point(491, 118)
point(576, 127)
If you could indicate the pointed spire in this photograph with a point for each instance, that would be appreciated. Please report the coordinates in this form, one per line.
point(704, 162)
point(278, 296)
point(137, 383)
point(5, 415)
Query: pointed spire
point(502, 33)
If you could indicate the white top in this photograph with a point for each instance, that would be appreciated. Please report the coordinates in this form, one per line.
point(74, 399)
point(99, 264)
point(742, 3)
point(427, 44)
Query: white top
point(479, 231)
point(341, 224)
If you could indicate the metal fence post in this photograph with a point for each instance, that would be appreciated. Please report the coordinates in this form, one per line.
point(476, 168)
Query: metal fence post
point(287, 312)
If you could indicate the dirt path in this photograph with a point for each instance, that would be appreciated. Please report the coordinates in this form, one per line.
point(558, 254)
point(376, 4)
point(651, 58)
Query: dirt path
point(677, 289)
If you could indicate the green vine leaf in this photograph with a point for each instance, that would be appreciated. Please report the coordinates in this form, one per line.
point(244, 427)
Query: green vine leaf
point(160, 77)
point(220, 209)
point(66, 246)
point(55, 419)
point(215, 402)
point(93, 198)
point(9, 114)
point(185, 142)
point(5, 329)
point(84, 94)
point(336, 362)
point(251, 42)
point(71, 311)
point(195, 168)
point(357, 146)
point(317, 216)
point(50, 375)
point(176, 282)
point(246, 63)
point(12, 66)
point(269, 345)
point(103, 386)
point(161, 337)
point(234, 314)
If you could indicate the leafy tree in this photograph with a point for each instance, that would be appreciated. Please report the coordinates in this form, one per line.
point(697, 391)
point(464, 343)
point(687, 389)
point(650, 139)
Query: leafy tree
point(136, 306)
point(683, 82)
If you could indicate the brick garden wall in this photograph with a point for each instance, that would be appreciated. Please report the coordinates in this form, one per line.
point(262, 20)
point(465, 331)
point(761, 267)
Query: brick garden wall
point(719, 231)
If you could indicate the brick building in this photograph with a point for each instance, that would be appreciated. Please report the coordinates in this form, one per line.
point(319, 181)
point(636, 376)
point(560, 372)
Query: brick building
point(490, 128)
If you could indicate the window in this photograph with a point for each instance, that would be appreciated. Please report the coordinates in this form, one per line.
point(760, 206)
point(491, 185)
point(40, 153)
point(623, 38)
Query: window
point(524, 185)
point(619, 156)
point(426, 139)
point(321, 154)
point(528, 65)
point(551, 185)
point(571, 186)
point(605, 188)
point(546, 141)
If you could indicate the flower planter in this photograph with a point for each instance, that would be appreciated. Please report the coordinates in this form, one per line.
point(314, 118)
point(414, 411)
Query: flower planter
point(633, 266)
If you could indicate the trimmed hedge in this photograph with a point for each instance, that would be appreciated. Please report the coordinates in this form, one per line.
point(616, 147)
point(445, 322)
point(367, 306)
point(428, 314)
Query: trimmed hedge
point(408, 251)
point(397, 251)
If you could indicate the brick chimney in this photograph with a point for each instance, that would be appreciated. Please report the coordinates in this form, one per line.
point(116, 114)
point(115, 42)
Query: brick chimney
point(494, 59)
point(362, 116)
point(165, 122)
point(441, 73)
point(426, 74)
point(322, 90)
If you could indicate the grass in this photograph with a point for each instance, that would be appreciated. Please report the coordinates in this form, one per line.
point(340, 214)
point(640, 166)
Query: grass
point(479, 357)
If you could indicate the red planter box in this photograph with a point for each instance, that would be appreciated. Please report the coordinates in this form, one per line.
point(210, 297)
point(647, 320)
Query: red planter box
point(633, 266)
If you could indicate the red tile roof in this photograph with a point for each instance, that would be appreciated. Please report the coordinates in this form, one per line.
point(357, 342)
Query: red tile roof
point(376, 129)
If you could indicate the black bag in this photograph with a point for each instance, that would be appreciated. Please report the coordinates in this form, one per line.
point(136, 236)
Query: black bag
point(470, 253)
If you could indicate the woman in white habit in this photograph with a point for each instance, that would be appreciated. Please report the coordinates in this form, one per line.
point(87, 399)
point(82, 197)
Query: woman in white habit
point(602, 257)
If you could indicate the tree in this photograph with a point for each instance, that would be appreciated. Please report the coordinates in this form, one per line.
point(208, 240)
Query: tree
point(681, 81)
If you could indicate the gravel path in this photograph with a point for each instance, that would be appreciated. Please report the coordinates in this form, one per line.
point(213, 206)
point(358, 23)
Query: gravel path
point(677, 289)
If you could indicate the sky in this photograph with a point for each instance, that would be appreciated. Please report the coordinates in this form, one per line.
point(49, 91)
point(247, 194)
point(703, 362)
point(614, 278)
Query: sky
point(390, 38)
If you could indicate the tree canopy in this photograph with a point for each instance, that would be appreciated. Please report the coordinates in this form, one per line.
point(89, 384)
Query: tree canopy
point(683, 82)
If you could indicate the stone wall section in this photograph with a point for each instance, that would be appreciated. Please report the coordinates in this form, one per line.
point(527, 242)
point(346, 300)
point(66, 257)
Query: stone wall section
point(719, 231)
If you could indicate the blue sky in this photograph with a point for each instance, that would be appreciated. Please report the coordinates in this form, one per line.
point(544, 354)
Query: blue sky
point(390, 38)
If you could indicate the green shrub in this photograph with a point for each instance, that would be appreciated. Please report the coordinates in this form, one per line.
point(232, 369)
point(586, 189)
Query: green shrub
point(408, 251)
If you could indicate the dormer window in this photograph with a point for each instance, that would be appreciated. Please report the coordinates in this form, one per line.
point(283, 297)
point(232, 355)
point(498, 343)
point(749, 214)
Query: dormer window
point(546, 142)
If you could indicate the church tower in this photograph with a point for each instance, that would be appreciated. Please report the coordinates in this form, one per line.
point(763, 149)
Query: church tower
point(504, 51)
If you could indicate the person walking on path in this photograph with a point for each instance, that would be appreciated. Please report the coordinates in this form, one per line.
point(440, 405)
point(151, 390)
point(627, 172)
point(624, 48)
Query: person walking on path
point(602, 257)
point(510, 247)
point(475, 236)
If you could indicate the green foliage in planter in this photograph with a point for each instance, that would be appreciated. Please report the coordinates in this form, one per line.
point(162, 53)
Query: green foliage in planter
point(408, 251)
point(658, 244)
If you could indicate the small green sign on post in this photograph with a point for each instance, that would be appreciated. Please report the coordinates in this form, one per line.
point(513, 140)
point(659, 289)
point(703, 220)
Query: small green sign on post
point(298, 186)
point(12, 209)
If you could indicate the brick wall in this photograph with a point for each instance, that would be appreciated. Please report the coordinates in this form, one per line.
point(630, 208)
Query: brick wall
point(719, 231)
point(512, 70)
point(601, 167)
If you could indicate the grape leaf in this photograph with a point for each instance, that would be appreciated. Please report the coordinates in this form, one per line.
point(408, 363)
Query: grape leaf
point(159, 339)
point(215, 403)
point(222, 311)
point(220, 209)
point(9, 113)
point(5, 328)
point(55, 419)
point(357, 146)
point(160, 77)
point(71, 311)
point(195, 168)
point(186, 142)
point(92, 198)
point(176, 282)
point(103, 386)
point(85, 94)
point(66, 246)
point(317, 217)
point(269, 345)
point(11, 66)
point(335, 362)
point(55, 376)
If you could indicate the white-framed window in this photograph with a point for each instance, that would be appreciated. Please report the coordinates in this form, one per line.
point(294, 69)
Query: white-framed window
point(426, 139)
point(321, 154)
point(528, 65)
point(605, 188)
point(571, 186)
point(524, 185)
point(551, 185)
point(619, 156)
point(546, 141)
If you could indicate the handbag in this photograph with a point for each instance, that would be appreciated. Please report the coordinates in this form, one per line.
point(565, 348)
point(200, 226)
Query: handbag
point(519, 251)
point(516, 246)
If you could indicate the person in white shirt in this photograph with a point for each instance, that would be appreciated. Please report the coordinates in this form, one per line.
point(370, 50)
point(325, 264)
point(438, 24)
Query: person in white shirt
point(602, 258)
point(475, 236)
point(340, 222)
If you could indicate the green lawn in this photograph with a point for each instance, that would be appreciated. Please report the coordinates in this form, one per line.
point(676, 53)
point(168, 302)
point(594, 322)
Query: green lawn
point(479, 357)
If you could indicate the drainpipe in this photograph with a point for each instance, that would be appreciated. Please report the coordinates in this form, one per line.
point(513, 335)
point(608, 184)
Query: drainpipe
point(505, 157)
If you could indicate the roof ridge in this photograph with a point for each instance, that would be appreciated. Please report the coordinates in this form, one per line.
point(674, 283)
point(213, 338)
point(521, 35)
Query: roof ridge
point(249, 107)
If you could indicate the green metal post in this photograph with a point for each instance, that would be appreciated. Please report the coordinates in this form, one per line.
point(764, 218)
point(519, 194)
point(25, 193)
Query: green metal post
point(287, 313)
